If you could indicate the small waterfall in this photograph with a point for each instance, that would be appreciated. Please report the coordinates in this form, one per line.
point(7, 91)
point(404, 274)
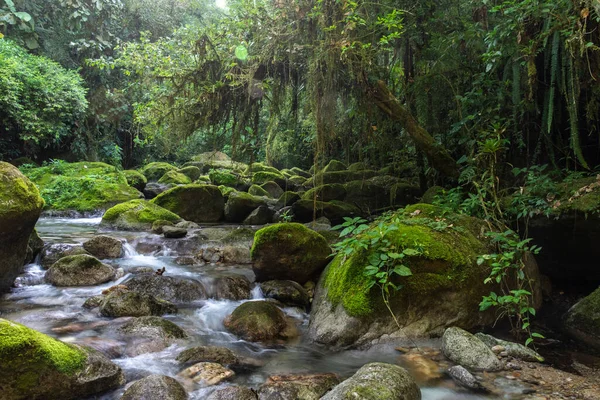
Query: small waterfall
point(129, 250)
point(257, 293)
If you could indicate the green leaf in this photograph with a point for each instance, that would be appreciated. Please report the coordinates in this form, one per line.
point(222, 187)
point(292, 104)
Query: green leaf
point(411, 252)
point(402, 270)
point(241, 52)
point(538, 335)
point(23, 16)
point(528, 341)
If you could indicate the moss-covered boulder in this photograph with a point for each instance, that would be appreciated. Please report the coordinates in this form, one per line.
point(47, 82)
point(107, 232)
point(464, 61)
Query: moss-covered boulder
point(583, 320)
point(135, 179)
point(403, 194)
point(333, 191)
point(298, 180)
point(297, 386)
point(300, 172)
point(222, 177)
point(36, 366)
point(127, 303)
point(358, 166)
point(257, 321)
point(256, 190)
point(170, 288)
point(20, 208)
point(367, 195)
point(334, 166)
point(191, 172)
point(82, 186)
point(155, 387)
point(273, 189)
point(240, 205)
point(197, 203)
point(259, 178)
point(103, 246)
point(155, 170)
point(79, 270)
point(53, 252)
point(288, 251)
point(444, 290)
point(175, 178)
point(261, 216)
point(323, 178)
point(260, 167)
point(136, 215)
point(226, 191)
point(335, 211)
point(288, 198)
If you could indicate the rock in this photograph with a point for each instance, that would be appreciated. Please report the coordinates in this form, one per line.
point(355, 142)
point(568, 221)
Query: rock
point(135, 179)
point(155, 387)
point(289, 293)
point(207, 373)
point(34, 246)
point(583, 320)
point(103, 247)
point(150, 334)
point(191, 172)
point(377, 381)
point(187, 225)
point(211, 254)
point(273, 189)
point(20, 208)
point(36, 366)
point(155, 170)
point(233, 393)
point(257, 321)
point(287, 199)
point(213, 354)
point(197, 203)
point(465, 349)
point(512, 349)
point(79, 270)
point(323, 178)
point(299, 172)
point(125, 303)
point(462, 377)
point(237, 254)
point(51, 253)
point(261, 216)
point(240, 205)
point(422, 368)
point(261, 177)
point(136, 215)
point(430, 194)
point(225, 178)
point(358, 166)
point(232, 287)
point(335, 165)
point(157, 226)
point(153, 189)
point(297, 386)
point(93, 302)
point(335, 211)
point(172, 232)
point(175, 178)
point(256, 190)
point(169, 288)
point(333, 191)
point(288, 251)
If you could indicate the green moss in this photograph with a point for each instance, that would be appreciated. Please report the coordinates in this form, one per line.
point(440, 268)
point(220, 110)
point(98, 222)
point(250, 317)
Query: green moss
point(191, 172)
point(198, 203)
point(175, 177)
point(335, 165)
point(298, 180)
point(224, 178)
point(20, 345)
point(333, 191)
point(256, 190)
point(323, 178)
point(260, 167)
point(135, 179)
point(18, 196)
point(137, 212)
point(357, 166)
point(290, 232)
point(585, 315)
point(300, 172)
point(203, 179)
point(261, 177)
point(226, 190)
point(154, 171)
point(288, 198)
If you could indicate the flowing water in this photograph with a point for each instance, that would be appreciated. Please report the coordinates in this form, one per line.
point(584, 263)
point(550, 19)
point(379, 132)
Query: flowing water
point(56, 311)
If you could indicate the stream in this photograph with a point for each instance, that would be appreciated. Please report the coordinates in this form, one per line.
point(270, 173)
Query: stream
point(49, 309)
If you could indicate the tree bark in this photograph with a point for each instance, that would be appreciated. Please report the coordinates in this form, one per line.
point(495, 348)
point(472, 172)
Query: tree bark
point(436, 154)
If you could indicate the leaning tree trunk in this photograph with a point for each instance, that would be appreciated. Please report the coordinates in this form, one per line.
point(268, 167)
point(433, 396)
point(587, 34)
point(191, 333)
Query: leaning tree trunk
point(436, 154)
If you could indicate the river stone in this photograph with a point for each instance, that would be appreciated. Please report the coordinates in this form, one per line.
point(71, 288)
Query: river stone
point(233, 393)
point(103, 247)
point(240, 205)
point(207, 373)
point(173, 232)
point(36, 366)
point(169, 288)
point(150, 335)
point(20, 208)
point(261, 216)
point(515, 350)
point(465, 349)
point(257, 321)
point(155, 170)
point(289, 293)
point(197, 203)
point(288, 251)
point(214, 354)
point(583, 320)
point(79, 270)
point(297, 386)
point(155, 387)
point(377, 381)
point(273, 189)
point(51, 253)
point(125, 303)
point(136, 215)
point(232, 287)
point(462, 377)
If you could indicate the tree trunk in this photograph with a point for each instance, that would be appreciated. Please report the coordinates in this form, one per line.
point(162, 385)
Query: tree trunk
point(436, 154)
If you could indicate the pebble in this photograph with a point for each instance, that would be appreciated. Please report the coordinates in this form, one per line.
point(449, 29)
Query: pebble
point(511, 365)
point(503, 354)
point(498, 349)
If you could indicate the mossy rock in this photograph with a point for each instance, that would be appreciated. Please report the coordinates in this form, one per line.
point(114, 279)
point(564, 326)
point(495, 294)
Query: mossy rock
point(366, 195)
point(240, 205)
point(221, 355)
point(226, 191)
point(335, 211)
point(583, 320)
point(402, 194)
point(335, 165)
point(256, 190)
point(135, 179)
point(323, 178)
point(169, 288)
point(203, 179)
point(358, 166)
point(261, 167)
point(298, 180)
point(273, 189)
point(211, 156)
point(288, 251)
point(36, 366)
point(431, 193)
point(259, 178)
point(79, 270)
point(136, 215)
point(102, 247)
point(153, 327)
point(197, 203)
point(300, 172)
point(256, 321)
point(174, 177)
point(225, 178)
point(155, 387)
point(20, 208)
point(191, 172)
point(288, 198)
point(126, 303)
point(82, 186)
point(155, 170)
point(333, 191)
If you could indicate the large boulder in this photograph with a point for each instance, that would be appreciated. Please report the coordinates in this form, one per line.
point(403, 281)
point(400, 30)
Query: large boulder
point(169, 288)
point(323, 178)
point(197, 203)
point(79, 270)
point(191, 172)
point(155, 170)
point(333, 191)
point(135, 179)
point(53, 252)
point(240, 205)
point(335, 165)
point(305, 210)
point(257, 321)
point(261, 216)
point(36, 366)
point(465, 349)
point(20, 208)
point(444, 289)
point(221, 177)
point(583, 320)
point(175, 178)
point(273, 189)
point(126, 303)
point(297, 386)
point(377, 381)
point(104, 247)
point(288, 251)
point(136, 215)
point(155, 387)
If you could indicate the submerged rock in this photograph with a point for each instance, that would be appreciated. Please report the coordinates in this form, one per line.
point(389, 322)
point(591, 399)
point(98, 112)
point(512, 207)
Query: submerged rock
point(377, 381)
point(20, 208)
point(297, 386)
point(257, 321)
point(79, 270)
point(103, 247)
point(207, 373)
point(288, 251)
point(583, 320)
point(125, 303)
point(464, 378)
point(233, 393)
point(155, 387)
point(136, 215)
point(36, 366)
point(169, 288)
point(214, 354)
point(197, 203)
point(465, 349)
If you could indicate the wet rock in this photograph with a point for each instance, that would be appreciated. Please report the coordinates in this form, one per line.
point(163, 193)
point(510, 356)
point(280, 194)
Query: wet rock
point(169, 288)
point(36, 366)
point(240, 205)
point(93, 302)
point(172, 232)
point(465, 349)
point(237, 254)
point(187, 225)
point(288, 251)
point(153, 189)
point(150, 335)
point(136, 215)
point(297, 386)
point(157, 226)
point(51, 253)
point(377, 381)
point(261, 216)
point(197, 203)
point(288, 292)
point(79, 270)
point(213, 354)
point(583, 320)
point(125, 303)
point(207, 373)
point(155, 387)
point(462, 377)
point(103, 247)
point(34, 246)
point(257, 321)
point(232, 287)
point(233, 393)
point(211, 254)
point(512, 349)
